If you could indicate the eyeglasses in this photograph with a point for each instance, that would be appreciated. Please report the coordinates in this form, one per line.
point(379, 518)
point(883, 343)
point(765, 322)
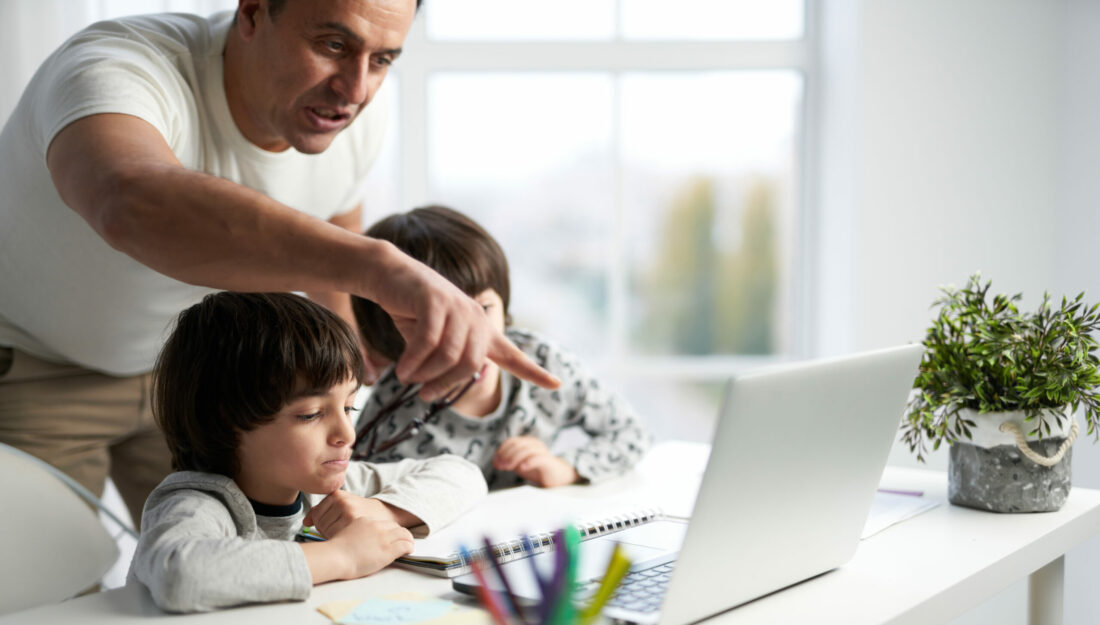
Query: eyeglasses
point(367, 443)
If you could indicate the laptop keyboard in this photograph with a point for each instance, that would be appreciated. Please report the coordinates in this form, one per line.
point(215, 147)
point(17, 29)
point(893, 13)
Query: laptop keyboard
point(641, 590)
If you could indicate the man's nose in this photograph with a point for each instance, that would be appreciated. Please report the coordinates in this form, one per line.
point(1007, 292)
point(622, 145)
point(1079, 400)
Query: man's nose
point(355, 83)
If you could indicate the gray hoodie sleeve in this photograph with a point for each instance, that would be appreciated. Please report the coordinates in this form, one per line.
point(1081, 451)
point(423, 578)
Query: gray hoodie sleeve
point(437, 490)
point(196, 555)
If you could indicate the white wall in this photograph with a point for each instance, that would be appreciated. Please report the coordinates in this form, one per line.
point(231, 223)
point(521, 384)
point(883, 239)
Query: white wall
point(973, 130)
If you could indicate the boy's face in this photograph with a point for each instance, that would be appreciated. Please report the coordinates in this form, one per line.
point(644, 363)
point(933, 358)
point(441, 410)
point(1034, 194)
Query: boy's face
point(483, 397)
point(305, 448)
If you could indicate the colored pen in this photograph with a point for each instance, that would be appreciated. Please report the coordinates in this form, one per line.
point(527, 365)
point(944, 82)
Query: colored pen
point(512, 604)
point(617, 567)
point(565, 612)
point(529, 549)
point(486, 594)
point(552, 592)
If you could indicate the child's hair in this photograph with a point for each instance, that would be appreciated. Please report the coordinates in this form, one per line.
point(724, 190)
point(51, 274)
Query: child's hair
point(449, 242)
point(233, 361)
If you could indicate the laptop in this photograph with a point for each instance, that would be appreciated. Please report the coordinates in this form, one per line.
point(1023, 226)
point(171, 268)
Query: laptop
point(797, 455)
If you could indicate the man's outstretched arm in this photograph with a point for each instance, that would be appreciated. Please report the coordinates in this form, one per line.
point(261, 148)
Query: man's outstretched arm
point(117, 172)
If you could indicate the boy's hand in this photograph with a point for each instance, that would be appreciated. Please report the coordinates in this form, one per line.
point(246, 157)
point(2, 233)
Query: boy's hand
point(531, 459)
point(361, 547)
point(340, 508)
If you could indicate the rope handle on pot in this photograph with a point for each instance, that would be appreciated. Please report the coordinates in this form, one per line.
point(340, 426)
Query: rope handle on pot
point(1021, 444)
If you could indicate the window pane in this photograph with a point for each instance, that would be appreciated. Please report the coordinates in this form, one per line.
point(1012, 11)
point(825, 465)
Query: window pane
point(674, 409)
point(709, 172)
point(712, 19)
point(528, 156)
point(520, 20)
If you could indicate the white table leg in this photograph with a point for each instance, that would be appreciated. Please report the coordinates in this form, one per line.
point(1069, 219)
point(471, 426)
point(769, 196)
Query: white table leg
point(1044, 594)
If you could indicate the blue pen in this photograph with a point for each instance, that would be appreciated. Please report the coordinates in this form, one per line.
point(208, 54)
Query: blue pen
point(529, 549)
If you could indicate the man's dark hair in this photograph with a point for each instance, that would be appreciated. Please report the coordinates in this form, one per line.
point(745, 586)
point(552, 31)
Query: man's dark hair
point(274, 7)
point(449, 242)
point(233, 361)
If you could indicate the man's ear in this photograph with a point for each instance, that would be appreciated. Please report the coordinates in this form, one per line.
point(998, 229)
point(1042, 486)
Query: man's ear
point(248, 11)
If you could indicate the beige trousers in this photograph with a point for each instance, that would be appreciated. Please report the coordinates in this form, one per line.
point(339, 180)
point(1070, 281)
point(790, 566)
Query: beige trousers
point(88, 424)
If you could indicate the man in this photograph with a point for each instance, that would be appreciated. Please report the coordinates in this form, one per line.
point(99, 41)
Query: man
point(154, 159)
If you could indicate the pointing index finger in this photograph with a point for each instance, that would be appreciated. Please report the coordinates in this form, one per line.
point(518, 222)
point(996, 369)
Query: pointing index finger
point(511, 359)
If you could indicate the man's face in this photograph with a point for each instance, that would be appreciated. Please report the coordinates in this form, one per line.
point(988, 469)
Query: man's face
point(315, 66)
point(305, 447)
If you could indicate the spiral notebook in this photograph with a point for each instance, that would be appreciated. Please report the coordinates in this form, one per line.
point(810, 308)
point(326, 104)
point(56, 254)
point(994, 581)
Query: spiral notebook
point(506, 516)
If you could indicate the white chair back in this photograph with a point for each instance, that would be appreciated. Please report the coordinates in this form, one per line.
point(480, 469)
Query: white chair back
point(55, 546)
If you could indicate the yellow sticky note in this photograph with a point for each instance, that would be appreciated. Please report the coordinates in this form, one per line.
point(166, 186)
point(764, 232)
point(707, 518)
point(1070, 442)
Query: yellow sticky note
point(340, 610)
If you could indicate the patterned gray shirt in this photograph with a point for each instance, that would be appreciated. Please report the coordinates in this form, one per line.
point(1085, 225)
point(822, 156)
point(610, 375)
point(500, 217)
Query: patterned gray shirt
point(614, 439)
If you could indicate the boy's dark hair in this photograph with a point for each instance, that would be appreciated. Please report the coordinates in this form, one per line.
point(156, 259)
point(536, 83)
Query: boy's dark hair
point(233, 361)
point(449, 242)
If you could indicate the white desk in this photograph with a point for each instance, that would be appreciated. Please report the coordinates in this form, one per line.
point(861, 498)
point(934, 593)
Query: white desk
point(923, 571)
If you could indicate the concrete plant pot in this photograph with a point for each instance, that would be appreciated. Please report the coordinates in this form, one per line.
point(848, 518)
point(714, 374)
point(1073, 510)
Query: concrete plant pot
point(1004, 469)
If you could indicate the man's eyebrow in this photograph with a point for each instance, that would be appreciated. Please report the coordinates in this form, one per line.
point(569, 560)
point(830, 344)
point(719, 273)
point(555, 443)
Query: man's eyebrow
point(350, 34)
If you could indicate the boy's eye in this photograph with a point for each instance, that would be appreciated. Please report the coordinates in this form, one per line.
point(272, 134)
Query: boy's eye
point(309, 417)
point(350, 410)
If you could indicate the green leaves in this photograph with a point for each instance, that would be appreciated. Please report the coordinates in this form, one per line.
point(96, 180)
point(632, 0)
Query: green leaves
point(982, 353)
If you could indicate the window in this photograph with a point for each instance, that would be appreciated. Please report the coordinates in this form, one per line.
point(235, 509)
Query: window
point(642, 170)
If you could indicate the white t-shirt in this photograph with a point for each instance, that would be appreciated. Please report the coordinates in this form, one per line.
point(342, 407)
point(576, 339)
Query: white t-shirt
point(67, 296)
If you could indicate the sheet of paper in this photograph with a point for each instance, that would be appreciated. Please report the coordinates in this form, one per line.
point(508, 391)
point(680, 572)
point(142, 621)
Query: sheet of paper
point(506, 515)
point(890, 508)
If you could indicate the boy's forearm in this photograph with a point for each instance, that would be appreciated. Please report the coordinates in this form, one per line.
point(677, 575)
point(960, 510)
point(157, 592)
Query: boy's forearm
point(326, 561)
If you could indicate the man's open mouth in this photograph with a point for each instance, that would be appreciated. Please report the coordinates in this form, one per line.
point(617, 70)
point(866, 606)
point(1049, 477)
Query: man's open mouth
point(326, 113)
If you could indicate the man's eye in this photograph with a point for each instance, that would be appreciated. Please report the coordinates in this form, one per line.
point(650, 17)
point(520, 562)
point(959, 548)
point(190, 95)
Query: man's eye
point(334, 46)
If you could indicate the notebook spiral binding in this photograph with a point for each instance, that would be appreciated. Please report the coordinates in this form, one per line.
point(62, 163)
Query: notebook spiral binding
point(541, 543)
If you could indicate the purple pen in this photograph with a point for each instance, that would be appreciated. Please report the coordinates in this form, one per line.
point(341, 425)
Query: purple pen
point(509, 596)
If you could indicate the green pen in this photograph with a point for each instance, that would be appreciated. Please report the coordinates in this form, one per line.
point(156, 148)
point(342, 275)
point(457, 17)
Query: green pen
point(564, 613)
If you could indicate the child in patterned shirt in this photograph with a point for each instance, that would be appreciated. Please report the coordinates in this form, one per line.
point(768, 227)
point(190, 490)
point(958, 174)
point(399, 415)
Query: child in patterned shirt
point(503, 424)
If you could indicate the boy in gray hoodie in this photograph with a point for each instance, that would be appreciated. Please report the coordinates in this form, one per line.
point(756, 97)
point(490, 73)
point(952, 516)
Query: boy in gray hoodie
point(254, 393)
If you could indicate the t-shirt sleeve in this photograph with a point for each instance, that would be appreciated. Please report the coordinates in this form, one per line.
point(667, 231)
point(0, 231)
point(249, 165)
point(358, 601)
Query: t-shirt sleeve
point(436, 490)
point(616, 437)
point(108, 75)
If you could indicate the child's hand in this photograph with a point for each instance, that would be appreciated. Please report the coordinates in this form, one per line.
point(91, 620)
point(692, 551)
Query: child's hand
point(531, 459)
point(340, 508)
point(361, 547)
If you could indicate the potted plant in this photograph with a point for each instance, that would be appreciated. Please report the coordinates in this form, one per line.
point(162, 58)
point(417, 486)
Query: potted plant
point(1002, 388)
